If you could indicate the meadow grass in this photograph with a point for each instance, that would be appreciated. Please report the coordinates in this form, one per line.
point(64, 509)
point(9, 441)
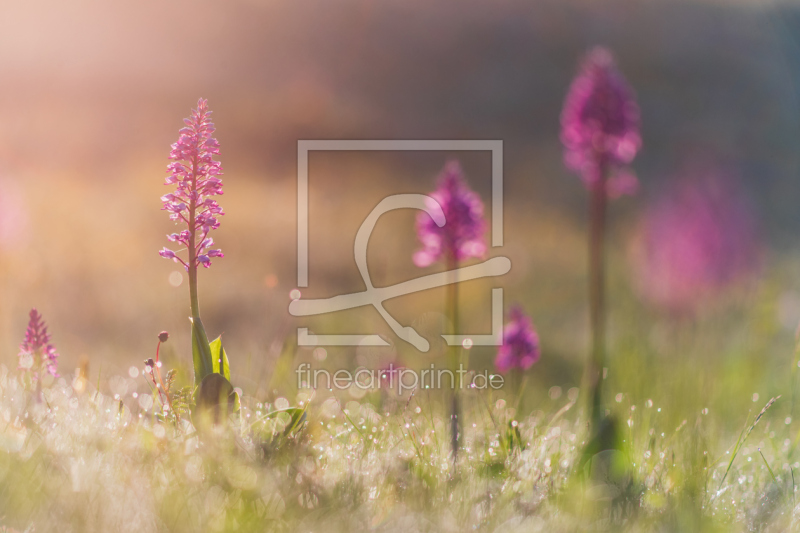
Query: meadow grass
point(82, 460)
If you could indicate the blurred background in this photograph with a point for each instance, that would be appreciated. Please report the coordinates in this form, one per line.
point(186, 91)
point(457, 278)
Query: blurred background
point(93, 94)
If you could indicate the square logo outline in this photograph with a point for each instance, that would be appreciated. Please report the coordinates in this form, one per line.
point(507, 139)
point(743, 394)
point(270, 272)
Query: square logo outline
point(305, 146)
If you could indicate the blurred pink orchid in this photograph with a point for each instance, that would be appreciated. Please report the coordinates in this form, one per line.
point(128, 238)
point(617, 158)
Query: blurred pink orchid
point(462, 235)
point(695, 240)
point(36, 352)
point(600, 126)
point(520, 348)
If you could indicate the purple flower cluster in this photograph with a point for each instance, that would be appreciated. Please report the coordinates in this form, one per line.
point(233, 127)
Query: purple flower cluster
point(600, 125)
point(462, 235)
point(195, 174)
point(696, 239)
point(36, 347)
point(520, 348)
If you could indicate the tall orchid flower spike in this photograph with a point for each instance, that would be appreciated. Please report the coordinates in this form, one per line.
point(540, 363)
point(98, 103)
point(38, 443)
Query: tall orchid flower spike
point(600, 133)
point(36, 353)
point(195, 174)
point(600, 126)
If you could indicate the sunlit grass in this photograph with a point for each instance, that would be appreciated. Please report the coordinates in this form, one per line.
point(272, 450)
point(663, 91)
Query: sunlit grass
point(80, 460)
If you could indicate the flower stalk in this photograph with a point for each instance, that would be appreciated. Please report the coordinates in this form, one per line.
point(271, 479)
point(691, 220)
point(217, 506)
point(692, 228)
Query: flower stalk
point(453, 353)
point(461, 237)
point(195, 174)
point(597, 298)
point(600, 133)
point(154, 369)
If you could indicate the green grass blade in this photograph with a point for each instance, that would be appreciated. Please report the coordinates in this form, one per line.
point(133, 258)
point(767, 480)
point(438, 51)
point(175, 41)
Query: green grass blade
point(743, 437)
point(771, 473)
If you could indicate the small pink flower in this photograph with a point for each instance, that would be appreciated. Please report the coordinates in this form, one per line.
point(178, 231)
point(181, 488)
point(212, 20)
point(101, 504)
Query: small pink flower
point(462, 235)
point(600, 125)
point(195, 174)
point(37, 348)
point(520, 348)
point(168, 254)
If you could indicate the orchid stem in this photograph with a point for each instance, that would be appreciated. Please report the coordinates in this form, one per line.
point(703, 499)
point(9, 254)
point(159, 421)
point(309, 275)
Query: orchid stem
point(195, 306)
point(594, 368)
point(453, 355)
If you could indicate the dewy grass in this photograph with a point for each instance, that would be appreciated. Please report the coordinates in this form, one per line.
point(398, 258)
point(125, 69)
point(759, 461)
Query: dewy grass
point(743, 438)
point(96, 462)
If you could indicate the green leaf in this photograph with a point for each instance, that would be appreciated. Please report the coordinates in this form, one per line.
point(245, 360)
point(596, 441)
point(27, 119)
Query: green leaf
point(298, 419)
point(201, 351)
point(219, 357)
point(215, 400)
